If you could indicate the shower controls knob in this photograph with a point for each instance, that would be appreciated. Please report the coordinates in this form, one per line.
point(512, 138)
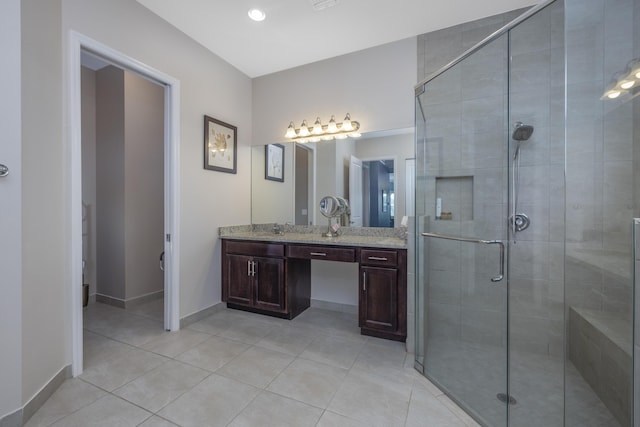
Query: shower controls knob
point(4, 171)
point(519, 222)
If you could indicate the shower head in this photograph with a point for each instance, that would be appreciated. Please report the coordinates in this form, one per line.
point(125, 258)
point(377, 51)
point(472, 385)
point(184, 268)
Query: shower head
point(521, 132)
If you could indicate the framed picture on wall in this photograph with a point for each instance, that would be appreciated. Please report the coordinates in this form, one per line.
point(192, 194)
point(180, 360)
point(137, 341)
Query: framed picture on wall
point(220, 145)
point(274, 162)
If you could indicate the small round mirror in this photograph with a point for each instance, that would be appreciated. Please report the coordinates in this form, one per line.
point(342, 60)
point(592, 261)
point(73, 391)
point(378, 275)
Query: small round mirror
point(329, 206)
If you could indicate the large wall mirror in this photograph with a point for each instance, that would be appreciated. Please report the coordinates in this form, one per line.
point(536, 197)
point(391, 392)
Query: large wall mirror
point(369, 172)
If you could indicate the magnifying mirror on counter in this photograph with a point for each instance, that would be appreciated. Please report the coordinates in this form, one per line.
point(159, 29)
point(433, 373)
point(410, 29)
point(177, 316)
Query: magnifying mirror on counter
point(330, 207)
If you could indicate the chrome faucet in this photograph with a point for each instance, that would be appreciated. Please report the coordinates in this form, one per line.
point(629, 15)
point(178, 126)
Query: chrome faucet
point(277, 229)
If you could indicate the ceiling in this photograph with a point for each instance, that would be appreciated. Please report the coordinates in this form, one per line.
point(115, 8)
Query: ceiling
point(295, 34)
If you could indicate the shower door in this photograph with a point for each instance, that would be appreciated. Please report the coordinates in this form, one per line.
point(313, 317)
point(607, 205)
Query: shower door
point(489, 222)
point(462, 183)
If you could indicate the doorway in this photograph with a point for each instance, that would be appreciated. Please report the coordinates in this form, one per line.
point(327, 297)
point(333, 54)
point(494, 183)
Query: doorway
point(378, 193)
point(122, 187)
point(171, 237)
point(304, 184)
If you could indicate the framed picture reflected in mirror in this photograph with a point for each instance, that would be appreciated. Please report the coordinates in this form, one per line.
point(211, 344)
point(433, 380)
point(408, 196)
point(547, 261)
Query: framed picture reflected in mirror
point(274, 162)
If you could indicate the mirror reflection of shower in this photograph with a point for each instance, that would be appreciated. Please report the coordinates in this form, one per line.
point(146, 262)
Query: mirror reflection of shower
point(521, 133)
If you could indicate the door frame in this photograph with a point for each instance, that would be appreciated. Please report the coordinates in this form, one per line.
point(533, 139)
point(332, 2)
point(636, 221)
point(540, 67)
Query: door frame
point(76, 43)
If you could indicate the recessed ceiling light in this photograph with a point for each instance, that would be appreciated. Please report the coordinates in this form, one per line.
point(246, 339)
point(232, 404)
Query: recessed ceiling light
point(257, 15)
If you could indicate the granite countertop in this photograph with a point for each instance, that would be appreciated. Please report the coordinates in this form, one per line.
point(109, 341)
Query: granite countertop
point(365, 236)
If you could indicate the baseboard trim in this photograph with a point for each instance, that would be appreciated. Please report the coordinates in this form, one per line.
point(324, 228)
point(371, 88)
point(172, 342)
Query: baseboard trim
point(12, 420)
point(106, 299)
point(22, 415)
point(131, 302)
point(334, 306)
point(199, 315)
point(142, 299)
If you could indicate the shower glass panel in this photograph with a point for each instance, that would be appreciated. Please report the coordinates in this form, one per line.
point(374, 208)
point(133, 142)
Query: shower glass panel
point(462, 186)
point(603, 185)
point(536, 286)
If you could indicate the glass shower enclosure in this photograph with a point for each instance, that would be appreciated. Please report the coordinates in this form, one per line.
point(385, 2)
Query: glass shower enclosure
point(527, 185)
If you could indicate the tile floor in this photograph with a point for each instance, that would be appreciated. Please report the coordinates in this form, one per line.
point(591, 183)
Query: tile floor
point(240, 369)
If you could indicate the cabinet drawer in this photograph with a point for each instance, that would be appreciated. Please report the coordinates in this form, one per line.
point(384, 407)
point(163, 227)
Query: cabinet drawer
point(255, 248)
point(379, 257)
point(322, 252)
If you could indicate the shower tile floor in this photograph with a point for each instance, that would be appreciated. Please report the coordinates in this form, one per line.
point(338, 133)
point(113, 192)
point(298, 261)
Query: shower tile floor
point(476, 373)
point(241, 369)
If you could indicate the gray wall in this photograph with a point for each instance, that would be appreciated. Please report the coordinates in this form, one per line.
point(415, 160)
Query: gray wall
point(110, 182)
point(10, 218)
point(45, 310)
point(209, 86)
point(45, 300)
point(374, 85)
point(144, 185)
point(129, 174)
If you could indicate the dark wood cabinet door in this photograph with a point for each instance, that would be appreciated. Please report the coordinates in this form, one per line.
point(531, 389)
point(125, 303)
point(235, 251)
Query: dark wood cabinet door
point(269, 284)
point(379, 298)
point(239, 282)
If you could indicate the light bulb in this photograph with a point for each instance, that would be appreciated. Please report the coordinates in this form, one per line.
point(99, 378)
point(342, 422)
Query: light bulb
point(291, 132)
point(256, 15)
point(332, 128)
point(317, 127)
point(346, 123)
point(613, 94)
point(304, 129)
point(627, 84)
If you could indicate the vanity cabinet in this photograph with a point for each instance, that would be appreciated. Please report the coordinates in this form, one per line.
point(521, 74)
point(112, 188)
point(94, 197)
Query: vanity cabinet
point(254, 278)
point(382, 302)
point(274, 278)
point(256, 282)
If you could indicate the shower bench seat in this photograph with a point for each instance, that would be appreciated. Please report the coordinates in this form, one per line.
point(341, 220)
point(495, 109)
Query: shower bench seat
point(600, 347)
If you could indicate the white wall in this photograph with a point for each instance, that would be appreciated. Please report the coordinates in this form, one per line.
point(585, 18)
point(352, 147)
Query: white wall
point(10, 222)
point(374, 85)
point(208, 86)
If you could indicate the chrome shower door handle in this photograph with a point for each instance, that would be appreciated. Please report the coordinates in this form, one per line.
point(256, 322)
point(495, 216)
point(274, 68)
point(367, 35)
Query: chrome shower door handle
point(500, 243)
point(4, 171)
point(162, 261)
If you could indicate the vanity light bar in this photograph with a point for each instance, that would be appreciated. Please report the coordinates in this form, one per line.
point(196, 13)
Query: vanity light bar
point(319, 132)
